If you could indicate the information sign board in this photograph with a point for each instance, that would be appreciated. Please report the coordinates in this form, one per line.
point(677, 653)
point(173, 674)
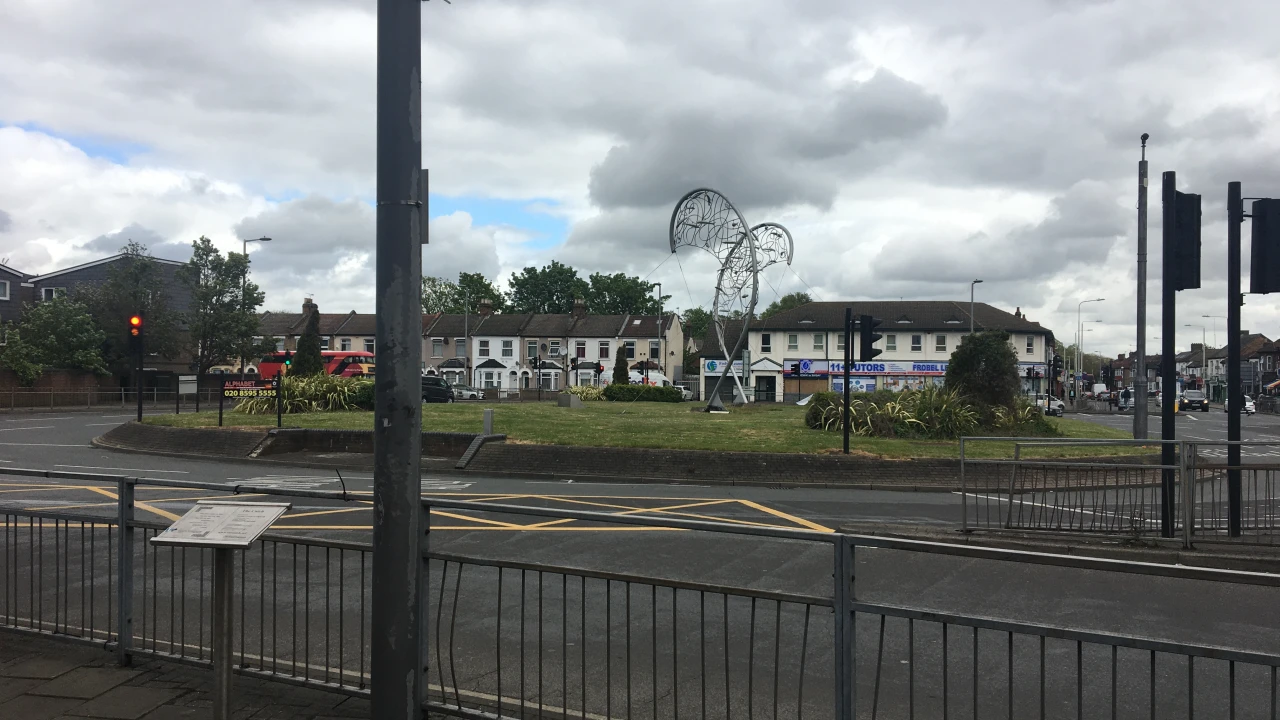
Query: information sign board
point(242, 389)
point(218, 523)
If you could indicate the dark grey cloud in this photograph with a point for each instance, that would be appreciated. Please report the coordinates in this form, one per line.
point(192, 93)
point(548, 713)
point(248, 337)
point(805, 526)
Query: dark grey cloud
point(111, 243)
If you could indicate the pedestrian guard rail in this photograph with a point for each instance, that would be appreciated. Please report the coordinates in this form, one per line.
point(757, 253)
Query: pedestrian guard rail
point(509, 637)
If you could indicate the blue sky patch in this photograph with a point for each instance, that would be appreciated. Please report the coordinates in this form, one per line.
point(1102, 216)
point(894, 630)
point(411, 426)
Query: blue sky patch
point(118, 152)
point(534, 216)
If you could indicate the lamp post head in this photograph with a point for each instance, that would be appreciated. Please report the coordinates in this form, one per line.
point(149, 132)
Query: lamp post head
point(975, 282)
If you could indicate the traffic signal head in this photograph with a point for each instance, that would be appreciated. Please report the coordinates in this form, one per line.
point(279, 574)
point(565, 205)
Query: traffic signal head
point(599, 369)
point(288, 359)
point(135, 325)
point(1264, 265)
point(1186, 240)
point(867, 337)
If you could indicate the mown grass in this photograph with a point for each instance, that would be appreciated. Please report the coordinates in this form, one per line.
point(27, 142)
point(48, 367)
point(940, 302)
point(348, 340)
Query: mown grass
point(756, 428)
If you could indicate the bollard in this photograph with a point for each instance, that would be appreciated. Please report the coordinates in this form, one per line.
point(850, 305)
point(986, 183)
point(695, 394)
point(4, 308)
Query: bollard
point(488, 421)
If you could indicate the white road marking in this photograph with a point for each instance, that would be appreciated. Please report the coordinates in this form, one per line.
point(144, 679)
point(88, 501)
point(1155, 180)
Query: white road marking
point(45, 419)
point(100, 424)
point(287, 482)
point(94, 467)
point(38, 427)
point(445, 485)
point(43, 445)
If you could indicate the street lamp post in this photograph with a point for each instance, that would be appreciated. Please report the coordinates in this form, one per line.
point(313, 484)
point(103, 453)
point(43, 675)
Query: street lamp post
point(244, 284)
point(1080, 334)
point(1215, 318)
point(661, 358)
point(975, 282)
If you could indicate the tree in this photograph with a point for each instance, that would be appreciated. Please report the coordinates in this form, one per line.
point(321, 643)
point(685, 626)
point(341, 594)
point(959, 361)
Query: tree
point(786, 302)
point(60, 333)
point(985, 369)
point(17, 357)
point(222, 320)
point(440, 296)
point(621, 294)
point(134, 285)
point(551, 289)
point(307, 360)
point(474, 288)
point(621, 373)
point(696, 323)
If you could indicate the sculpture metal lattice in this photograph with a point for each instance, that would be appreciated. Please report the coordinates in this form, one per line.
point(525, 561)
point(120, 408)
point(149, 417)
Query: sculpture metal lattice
point(706, 219)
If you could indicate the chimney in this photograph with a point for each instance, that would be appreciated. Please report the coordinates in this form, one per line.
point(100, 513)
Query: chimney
point(579, 308)
point(1017, 312)
point(309, 306)
point(486, 307)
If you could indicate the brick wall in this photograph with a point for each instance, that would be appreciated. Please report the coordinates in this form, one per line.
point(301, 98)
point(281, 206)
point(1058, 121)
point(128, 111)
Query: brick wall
point(287, 440)
point(713, 467)
point(218, 442)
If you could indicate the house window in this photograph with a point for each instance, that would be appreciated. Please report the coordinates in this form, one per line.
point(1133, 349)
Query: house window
point(279, 341)
point(488, 374)
point(631, 349)
point(459, 347)
point(891, 343)
point(819, 341)
point(344, 344)
point(940, 343)
point(484, 348)
point(1031, 344)
point(655, 349)
point(324, 343)
point(580, 349)
point(766, 343)
point(508, 348)
point(604, 349)
point(4, 289)
point(368, 345)
point(840, 341)
point(555, 348)
point(793, 341)
point(50, 293)
point(531, 349)
point(437, 347)
point(917, 343)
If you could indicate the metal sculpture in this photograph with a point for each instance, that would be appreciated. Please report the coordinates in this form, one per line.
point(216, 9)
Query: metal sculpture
point(706, 219)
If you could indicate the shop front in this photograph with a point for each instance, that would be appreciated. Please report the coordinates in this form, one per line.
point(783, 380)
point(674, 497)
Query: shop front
point(711, 372)
point(804, 377)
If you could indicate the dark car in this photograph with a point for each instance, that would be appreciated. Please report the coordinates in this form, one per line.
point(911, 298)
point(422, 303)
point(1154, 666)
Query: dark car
point(1195, 400)
point(436, 389)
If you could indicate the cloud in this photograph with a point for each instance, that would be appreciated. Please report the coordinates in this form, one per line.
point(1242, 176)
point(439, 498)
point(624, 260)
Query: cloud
point(5, 221)
point(111, 243)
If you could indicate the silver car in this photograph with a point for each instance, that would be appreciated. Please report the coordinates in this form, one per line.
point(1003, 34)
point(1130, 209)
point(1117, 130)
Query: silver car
point(466, 392)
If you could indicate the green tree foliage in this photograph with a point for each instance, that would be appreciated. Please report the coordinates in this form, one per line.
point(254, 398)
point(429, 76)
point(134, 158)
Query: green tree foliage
point(985, 369)
point(786, 302)
point(696, 322)
point(223, 319)
point(134, 285)
point(440, 295)
point(18, 357)
point(621, 373)
point(621, 294)
point(691, 364)
point(60, 333)
point(550, 289)
point(307, 361)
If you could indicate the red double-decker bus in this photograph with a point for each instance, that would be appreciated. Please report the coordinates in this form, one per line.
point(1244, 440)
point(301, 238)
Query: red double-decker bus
point(345, 363)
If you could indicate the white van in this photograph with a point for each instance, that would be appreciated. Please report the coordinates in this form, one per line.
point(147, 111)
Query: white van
point(653, 377)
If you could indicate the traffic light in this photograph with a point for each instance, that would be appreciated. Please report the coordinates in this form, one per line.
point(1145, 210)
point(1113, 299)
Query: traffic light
point(135, 325)
point(288, 359)
point(1264, 254)
point(867, 337)
point(1186, 268)
point(599, 370)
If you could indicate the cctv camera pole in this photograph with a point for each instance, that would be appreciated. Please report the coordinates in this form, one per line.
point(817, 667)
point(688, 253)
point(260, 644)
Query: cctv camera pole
point(1140, 379)
point(1235, 396)
point(400, 523)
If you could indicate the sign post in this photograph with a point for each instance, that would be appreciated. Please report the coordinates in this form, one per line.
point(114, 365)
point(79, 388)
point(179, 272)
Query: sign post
point(275, 384)
point(224, 526)
point(238, 390)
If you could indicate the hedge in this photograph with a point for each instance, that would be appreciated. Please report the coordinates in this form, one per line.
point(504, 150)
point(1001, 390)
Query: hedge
point(643, 393)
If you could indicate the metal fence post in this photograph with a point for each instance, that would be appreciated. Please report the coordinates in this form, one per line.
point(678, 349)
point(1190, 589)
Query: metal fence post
point(845, 656)
point(1186, 475)
point(424, 606)
point(124, 569)
point(1013, 475)
point(964, 493)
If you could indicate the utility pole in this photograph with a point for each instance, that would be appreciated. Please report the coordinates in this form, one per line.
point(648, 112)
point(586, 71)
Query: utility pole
point(1235, 396)
point(1140, 370)
point(1169, 332)
point(399, 631)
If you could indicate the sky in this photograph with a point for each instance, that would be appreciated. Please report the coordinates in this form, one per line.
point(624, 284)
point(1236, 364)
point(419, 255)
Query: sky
point(908, 146)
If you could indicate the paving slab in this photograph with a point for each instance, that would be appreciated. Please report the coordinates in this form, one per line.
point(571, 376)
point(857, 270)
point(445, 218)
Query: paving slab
point(44, 667)
point(13, 687)
point(177, 712)
point(126, 703)
point(36, 707)
point(85, 683)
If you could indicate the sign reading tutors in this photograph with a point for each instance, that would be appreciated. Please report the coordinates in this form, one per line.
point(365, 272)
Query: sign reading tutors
point(825, 368)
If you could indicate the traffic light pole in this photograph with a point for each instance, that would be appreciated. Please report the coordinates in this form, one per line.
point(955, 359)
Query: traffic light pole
point(140, 352)
point(848, 356)
point(1140, 369)
point(1235, 395)
point(1168, 379)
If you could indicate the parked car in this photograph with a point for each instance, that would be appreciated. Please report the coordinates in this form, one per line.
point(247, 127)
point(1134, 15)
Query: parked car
point(1194, 400)
point(1249, 407)
point(686, 393)
point(436, 389)
point(466, 392)
point(1055, 406)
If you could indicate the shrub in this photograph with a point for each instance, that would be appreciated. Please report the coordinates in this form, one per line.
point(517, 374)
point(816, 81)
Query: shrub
point(985, 369)
point(362, 396)
point(643, 393)
point(317, 393)
point(585, 392)
point(933, 413)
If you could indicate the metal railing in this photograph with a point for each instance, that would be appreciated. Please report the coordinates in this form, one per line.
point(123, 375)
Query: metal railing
point(152, 397)
point(512, 636)
point(1121, 494)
